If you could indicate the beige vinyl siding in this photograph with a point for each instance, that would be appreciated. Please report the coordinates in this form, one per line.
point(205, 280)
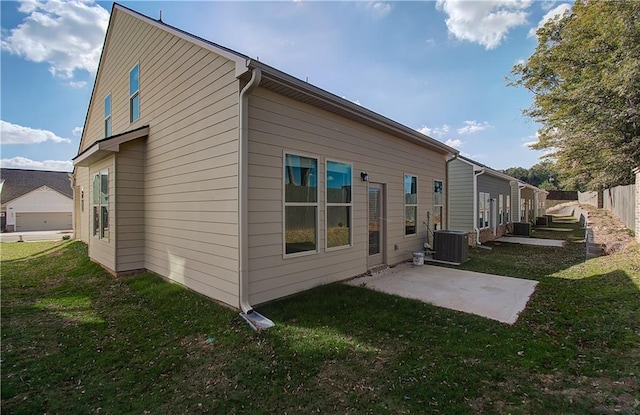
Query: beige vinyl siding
point(278, 124)
point(189, 99)
point(129, 181)
point(83, 183)
point(460, 199)
point(103, 250)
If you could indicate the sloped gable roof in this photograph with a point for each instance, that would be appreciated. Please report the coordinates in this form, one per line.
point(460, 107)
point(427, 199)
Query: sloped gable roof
point(18, 182)
point(283, 84)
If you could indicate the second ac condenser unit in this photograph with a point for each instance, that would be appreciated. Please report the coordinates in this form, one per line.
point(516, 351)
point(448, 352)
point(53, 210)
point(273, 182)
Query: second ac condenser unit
point(451, 246)
point(522, 228)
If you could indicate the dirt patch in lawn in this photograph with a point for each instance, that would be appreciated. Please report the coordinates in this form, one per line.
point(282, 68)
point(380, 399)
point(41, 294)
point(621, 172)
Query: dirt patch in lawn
point(608, 230)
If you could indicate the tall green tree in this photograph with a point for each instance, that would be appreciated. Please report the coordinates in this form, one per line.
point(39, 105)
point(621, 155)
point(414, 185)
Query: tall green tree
point(585, 79)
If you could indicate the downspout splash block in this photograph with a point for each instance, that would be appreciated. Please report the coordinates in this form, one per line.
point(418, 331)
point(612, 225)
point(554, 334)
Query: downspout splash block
point(257, 321)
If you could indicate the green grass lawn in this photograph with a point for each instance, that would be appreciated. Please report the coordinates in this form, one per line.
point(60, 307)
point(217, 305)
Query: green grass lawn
point(76, 340)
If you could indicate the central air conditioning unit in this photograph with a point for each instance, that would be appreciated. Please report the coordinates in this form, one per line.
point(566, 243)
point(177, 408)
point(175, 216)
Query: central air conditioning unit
point(451, 246)
point(522, 228)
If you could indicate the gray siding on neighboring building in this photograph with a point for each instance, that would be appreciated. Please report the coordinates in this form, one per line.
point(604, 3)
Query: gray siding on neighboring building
point(495, 186)
point(460, 193)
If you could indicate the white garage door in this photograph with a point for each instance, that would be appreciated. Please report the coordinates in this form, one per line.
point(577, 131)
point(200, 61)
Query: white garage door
point(43, 221)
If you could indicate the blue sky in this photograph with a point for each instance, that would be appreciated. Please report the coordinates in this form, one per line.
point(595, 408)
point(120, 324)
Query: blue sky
point(438, 66)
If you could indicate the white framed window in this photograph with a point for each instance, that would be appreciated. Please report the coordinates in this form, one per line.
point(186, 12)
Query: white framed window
point(508, 209)
point(523, 210)
point(438, 204)
point(100, 205)
point(81, 199)
point(484, 207)
point(107, 116)
point(410, 204)
point(300, 176)
point(501, 209)
point(339, 203)
point(134, 93)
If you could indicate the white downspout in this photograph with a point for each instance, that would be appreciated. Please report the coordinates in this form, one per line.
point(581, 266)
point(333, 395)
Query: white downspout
point(243, 186)
point(520, 187)
point(475, 205)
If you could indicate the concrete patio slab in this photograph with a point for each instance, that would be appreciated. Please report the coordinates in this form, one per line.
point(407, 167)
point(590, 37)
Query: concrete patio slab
point(490, 296)
point(530, 241)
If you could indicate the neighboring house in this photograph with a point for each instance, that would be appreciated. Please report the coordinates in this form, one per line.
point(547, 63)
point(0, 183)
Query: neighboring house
point(484, 201)
point(35, 200)
point(237, 180)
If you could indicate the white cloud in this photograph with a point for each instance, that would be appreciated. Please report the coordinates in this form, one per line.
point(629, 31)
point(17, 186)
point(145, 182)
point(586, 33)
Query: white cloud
point(17, 134)
point(437, 132)
point(556, 11)
point(78, 84)
point(77, 131)
point(379, 9)
point(67, 35)
point(25, 163)
point(547, 5)
point(483, 22)
point(471, 127)
point(457, 143)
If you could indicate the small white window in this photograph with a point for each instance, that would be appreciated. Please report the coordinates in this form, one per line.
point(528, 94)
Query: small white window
point(107, 116)
point(508, 210)
point(410, 204)
point(501, 209)
point(134, 93)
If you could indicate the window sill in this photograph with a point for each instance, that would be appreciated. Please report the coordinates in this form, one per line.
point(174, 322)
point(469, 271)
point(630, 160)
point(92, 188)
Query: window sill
point(338, 248)
point(300, 254)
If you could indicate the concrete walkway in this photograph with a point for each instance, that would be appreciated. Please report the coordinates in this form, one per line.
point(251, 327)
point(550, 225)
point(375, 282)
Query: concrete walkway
point(530, 241)
point(490, 296)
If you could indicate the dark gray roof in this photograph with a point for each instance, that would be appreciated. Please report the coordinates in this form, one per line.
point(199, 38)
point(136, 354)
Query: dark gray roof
point(18, 182)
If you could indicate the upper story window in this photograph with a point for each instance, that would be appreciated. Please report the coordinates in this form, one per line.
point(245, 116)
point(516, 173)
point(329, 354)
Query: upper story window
point(300, 204)
point(410, 204)
point(134, 93)
point(107, 116)
point(339, 204)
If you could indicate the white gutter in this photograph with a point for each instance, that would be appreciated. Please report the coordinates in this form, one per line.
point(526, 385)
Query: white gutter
point(243, 187)
point(475, 205)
